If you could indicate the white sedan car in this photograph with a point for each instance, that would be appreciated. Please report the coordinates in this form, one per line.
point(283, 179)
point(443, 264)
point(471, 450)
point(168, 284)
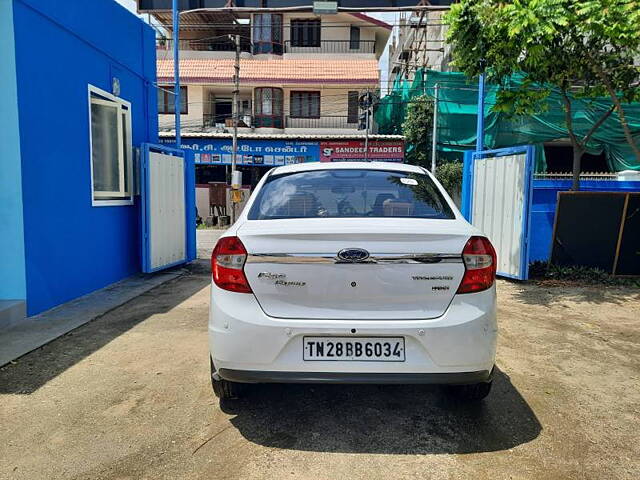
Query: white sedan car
point(352, 273)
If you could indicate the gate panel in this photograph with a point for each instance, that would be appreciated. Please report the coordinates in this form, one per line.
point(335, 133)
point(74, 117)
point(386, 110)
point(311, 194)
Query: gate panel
point(167, 208)
point(499, 201)
point(167, 204)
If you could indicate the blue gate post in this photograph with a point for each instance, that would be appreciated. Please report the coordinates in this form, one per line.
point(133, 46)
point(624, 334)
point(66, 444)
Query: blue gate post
point(190, 203)
point(480, 123)
point(176, 70)
point(467, 184)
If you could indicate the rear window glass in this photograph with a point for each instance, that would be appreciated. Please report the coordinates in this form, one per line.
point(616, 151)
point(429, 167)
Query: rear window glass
point(349, 193)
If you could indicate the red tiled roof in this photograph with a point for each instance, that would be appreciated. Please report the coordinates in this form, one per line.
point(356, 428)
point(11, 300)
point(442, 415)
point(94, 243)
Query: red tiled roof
point(278, 70)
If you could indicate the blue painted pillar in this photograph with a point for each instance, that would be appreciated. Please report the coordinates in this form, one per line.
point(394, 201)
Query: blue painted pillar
point(12, 249)
point(467, 184)
point(480, 124)
point(176, 69)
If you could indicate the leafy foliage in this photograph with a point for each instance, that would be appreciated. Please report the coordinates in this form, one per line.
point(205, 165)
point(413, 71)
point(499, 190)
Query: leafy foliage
point(449, 174)
point(581, 48)
point(418, 131)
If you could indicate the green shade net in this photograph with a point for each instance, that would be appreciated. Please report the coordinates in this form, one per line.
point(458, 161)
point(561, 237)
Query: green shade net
point(457, 112)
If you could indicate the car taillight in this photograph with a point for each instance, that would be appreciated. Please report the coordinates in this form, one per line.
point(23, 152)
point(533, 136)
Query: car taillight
point(227, 263)
point(480, 265)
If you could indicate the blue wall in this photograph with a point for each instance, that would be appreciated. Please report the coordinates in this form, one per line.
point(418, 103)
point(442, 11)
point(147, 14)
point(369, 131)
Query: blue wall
point(12, 269)
point(71, 247)
point(543, 211)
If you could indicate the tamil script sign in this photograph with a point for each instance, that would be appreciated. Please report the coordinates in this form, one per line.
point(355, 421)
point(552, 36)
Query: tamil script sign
point(252, 152)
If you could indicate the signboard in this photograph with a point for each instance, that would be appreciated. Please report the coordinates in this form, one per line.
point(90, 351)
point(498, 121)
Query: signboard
point(354, 151)
point(268, 153)
point(324, 7)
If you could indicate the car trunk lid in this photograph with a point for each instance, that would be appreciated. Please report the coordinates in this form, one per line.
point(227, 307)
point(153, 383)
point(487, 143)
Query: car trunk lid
point(412, 272)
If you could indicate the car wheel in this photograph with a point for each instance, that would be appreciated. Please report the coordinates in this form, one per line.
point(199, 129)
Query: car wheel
point(474, 392)
point(224, 389)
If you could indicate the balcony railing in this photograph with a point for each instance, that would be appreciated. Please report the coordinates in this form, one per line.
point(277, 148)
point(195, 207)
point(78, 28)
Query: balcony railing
point(224, 45)
point(268, 121)
point(210, 122)
point(325, 121)
point(203, 44)
point(332, 46)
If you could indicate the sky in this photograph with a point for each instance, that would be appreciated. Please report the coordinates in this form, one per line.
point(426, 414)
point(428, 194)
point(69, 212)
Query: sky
point(388, 17)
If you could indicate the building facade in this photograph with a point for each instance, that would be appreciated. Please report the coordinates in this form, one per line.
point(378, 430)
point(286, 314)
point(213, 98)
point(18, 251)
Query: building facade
point(299, 73)
point(69, 127)
point(301, 76)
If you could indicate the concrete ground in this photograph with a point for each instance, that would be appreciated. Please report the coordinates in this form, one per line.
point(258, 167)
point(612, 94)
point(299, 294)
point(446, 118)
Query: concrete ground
point(127, 396)
point(206, 239)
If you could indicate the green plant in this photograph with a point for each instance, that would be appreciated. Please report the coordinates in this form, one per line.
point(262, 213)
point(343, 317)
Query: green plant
point(449, 174)
point(577, 273)
point(418, 131)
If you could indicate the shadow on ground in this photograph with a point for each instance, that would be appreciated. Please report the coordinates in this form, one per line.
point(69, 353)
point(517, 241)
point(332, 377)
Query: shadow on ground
point(411, 419)
point(32, 371)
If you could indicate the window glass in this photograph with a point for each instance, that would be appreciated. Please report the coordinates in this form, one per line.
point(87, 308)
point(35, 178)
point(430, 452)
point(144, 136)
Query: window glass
point(126, 141)
point(352, 107)
point(305, 33)
point(105, 147)
point(349, 193)
point(354, 38)
point(166, 102)
point(111, 150)
point(305, 104)
point(267, 33)
point(267, 101)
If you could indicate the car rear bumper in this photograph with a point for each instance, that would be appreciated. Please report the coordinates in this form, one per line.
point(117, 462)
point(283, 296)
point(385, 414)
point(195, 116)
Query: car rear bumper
point(253, 376)
point(246, 345)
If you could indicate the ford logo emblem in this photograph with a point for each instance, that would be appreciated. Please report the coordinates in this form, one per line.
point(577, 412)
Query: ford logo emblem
point(353, 255)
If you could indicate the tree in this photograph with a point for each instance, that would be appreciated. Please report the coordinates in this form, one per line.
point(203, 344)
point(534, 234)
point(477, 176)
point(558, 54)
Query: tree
point(609, 35)
point(418, 131)
point(577, 48)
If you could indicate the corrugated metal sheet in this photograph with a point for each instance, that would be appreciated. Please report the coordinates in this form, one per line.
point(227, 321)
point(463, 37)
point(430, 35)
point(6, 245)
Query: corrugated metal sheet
point(167, 215)
point(499, 196)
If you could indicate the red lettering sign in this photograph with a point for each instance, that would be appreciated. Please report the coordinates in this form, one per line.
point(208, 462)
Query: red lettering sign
point(354, 151)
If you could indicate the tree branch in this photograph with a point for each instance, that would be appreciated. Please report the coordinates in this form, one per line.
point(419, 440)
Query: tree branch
point(596, 125)
point(618, 106)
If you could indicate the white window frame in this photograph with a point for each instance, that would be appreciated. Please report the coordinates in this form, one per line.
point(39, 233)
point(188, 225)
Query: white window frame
point(124, 109)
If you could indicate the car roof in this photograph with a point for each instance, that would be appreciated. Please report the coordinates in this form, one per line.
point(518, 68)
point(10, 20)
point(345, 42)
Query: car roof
point(311, 166)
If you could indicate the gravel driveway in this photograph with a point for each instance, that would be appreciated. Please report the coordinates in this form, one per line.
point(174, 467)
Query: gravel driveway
point(127, 396)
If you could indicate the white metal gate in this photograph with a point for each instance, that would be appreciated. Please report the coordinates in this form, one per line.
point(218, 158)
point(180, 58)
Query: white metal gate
point(168, 199)
point(499, 189)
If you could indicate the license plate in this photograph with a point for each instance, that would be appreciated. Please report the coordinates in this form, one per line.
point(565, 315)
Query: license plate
point(354, 349)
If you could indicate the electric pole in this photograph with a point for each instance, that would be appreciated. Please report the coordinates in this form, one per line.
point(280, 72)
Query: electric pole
point(434, 133)
point(236, 114)
point(366, 135)
point(176, 70)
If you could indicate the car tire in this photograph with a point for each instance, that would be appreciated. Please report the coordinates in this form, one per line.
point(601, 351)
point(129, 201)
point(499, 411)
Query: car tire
point(474, 392)
point(224, 389)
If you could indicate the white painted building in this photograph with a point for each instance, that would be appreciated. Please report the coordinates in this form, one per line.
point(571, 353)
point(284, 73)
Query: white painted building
point(300, 73)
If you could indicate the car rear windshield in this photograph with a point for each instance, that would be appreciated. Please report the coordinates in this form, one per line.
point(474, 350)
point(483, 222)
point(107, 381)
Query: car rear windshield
point(349, 193)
